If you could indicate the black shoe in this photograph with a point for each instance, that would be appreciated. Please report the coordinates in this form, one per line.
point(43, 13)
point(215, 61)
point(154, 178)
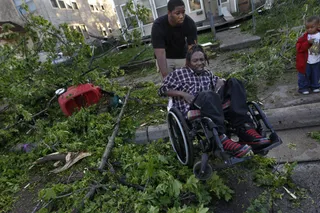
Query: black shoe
point(234, 148)
point(248, 135)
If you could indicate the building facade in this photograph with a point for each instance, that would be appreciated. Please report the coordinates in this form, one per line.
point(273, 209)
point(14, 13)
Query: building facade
point(197, 9)
point(90, 17)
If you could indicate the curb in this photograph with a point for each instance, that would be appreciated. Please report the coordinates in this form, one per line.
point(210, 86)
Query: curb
point(306, 115)
point(240, 45)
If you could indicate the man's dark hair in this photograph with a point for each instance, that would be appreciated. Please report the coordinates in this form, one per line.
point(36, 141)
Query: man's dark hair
point(195, 48)
point(313, 18)
point(172, 4)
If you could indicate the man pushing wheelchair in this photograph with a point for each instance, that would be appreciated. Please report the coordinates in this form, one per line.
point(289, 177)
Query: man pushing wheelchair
point(195, 91)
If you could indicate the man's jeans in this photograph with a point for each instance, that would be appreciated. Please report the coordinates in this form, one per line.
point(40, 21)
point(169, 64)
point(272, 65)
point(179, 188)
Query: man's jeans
point(310, 79)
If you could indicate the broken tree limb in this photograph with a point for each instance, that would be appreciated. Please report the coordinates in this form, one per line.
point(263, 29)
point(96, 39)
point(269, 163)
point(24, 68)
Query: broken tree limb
point(135, 186)
point(52, 157)
point(69, 159)
point(114, 134)
point(93, 189)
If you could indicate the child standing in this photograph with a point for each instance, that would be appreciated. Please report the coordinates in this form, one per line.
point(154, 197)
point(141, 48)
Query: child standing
point(308, 57)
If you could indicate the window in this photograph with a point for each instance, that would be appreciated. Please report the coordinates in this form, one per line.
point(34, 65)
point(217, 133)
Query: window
point(54, 4)
point(161, 7)
point(84, 31)
point(109, 28)
point(61, 4)
point(130, 20)
point(69, 4)
point(104, 33)
point(64, 4)
point(147, 5)
point(81, 28)
point(75, 6)
point(31, 5)
point(94, 7)
point(194, 5)
point(78, 29)
point(102, 7)
point(84, 28)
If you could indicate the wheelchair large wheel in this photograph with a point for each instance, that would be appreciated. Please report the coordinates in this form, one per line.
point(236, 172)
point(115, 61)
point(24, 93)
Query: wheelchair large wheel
point(179, 137)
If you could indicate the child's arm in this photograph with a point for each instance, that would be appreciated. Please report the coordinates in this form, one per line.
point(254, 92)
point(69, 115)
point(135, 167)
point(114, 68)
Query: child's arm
point(303, 44)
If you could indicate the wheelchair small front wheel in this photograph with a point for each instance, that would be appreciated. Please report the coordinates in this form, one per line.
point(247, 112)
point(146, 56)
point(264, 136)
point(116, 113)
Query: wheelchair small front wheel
point(202, 175)
point(179, 137)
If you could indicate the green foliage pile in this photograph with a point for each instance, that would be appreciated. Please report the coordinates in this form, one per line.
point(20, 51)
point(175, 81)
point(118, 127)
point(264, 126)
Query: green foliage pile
point(137, 178)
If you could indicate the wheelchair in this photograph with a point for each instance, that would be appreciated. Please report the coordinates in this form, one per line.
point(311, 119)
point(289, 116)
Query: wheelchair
point(198, 135)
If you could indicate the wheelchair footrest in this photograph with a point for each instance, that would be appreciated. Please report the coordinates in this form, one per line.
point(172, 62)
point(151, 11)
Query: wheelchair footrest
point(230, 162)
point(234, 160)
point(276, 141)
point(268, 148)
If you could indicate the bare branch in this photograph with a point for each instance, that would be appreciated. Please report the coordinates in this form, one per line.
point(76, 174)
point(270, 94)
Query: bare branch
point(114, 134)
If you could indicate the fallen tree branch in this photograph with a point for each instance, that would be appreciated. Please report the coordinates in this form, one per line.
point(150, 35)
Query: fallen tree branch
point(105, 156)
point(135, 186)
point(114, 134)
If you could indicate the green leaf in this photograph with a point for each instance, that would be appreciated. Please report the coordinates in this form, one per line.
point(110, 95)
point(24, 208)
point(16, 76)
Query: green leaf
point(49, 194)
point(176, 187)
point(154, 209)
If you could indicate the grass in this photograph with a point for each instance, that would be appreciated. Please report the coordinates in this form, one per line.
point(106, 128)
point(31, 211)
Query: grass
point(205, 37)
point(316, 136)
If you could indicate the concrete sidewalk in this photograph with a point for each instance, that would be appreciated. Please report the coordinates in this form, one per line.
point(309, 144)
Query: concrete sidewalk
point(297, 146)
point(234, 39)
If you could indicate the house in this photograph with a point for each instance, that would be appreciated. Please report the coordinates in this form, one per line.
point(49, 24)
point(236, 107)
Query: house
point(197, 9)
point(90, 17)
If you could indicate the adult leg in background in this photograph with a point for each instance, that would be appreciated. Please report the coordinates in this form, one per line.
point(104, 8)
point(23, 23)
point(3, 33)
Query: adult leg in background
point(172, 64)
point(175, 63)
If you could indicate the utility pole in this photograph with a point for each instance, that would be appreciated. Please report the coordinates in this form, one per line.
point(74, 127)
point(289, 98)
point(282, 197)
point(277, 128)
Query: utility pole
point(253, 17)
point(213, 29)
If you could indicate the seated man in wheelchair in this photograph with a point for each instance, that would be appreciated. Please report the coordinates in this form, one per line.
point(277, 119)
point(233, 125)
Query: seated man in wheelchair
point(194, 87)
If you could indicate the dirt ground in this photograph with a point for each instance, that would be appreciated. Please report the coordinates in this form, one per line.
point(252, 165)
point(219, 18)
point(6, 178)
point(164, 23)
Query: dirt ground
point(225, 62)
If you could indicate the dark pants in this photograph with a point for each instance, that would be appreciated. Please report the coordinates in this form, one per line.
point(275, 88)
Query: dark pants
point(234, 95)
point(310, 79)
